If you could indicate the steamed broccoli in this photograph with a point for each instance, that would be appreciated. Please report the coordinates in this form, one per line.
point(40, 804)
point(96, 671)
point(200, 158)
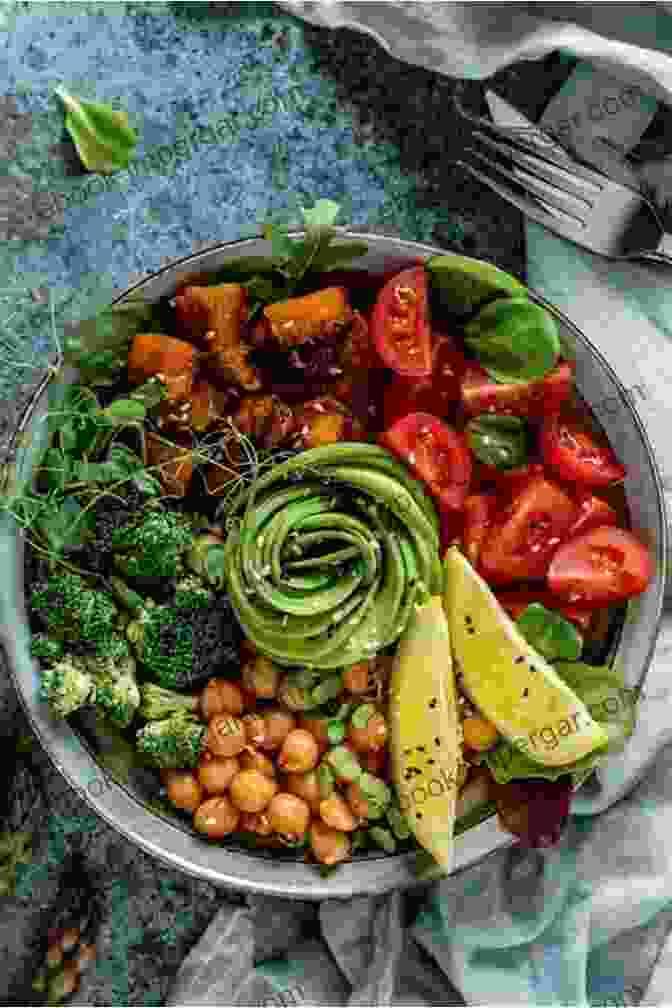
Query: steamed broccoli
point(182, 645)
point(157, 702)
point(173, 742)
point(69, 608)
point(67, 686)
point(151, 545)
point(46, 648)
point(113, 672)
point(190, 592)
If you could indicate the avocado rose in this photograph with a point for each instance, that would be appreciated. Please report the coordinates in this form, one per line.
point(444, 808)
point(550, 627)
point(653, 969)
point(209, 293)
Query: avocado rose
point(325, 552)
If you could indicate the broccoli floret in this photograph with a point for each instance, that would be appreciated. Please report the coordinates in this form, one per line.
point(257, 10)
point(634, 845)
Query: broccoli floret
point(46, 648)
point(182, 646)
point(173, 742)
point(157, 702)
point(69, 608)
point(152, 545)
point(117, 693)
point(67, 686)
point(191, 593)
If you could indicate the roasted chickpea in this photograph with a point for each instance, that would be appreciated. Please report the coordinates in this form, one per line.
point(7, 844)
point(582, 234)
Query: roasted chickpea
point(262, 677)
point(374, 761)
point(359, 806)
point(216, 817)
point(251, 791)
point(299, 753)
point(329, 846)
point(317, 726)
point(278, 724)
point(221, 696)
point(372, 736)
point(357, 679)
point(334, 811)
point(252, 759)
point(226, 735)
point(255, 729)
point(306, 786)
point(184, 790)
point(289, 815)
point(215, 774)
point(255, 822)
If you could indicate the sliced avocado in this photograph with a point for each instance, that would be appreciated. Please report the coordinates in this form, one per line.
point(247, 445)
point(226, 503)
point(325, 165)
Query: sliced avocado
point(462, 285)
point(510, 682)
point(424, 730)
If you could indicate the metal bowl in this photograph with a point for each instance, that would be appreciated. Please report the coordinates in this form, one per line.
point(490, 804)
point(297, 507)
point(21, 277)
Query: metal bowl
point(125, 802)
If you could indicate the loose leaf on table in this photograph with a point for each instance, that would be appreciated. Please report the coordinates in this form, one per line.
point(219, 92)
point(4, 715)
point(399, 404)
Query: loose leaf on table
point(610, 703)
point(103, 136)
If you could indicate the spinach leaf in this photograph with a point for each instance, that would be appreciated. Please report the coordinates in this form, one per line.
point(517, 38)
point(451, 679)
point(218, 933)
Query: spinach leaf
point(549, 633)
point(514, 339)
point(103, 136)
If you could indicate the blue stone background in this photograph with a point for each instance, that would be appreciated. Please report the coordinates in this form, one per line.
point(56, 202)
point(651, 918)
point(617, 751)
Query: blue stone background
point(294, 113)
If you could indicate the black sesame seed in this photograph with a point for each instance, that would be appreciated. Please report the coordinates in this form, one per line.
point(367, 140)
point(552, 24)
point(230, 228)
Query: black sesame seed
point(526, 692)
point(420, 748)
point(432, 703)
point(519, 659)
point(437, 741)
point(408, 752)
point(431, 762)
point(468, 619)
point(419, 815)
point(418, 772)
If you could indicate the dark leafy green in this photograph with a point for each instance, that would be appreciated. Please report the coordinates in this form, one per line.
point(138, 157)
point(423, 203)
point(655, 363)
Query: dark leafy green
point(549, 633)
point(514, 339)
point(500, 441)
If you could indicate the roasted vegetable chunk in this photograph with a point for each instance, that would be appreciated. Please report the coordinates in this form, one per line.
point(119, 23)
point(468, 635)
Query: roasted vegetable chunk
point(169, 359)
point(319, 316)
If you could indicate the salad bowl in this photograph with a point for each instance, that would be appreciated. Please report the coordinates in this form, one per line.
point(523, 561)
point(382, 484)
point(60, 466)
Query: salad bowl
point(127, 798)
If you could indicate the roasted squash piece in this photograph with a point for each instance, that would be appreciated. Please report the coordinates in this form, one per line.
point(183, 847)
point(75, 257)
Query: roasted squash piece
point(171, 360)
point(317, 316)
point(214, 317)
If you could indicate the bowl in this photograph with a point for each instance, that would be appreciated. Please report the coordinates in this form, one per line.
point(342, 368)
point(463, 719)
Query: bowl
point(128, 801)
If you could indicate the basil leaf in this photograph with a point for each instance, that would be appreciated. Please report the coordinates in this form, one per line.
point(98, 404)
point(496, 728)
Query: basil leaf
point(515, 340)
point(66, 525)
point(326, 780)
point(326, 690)
point(103, 136)
point(500, 441)
point(55, 470)
point(362, 715)
point(398, 822)
point(151, 394)
point(344, 763)
point(335, 732)
point(549, 633)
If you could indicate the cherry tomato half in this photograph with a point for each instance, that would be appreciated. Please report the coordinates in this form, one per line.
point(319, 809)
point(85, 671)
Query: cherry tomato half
point(436, 453)
point(534, 400)
point(436, 394)
point(593, 512)
point(507, 482)
point(576, 454)
point(603, 565)
point(400, 324)
point(478, 513)
point(516, 602)
point(521, 542)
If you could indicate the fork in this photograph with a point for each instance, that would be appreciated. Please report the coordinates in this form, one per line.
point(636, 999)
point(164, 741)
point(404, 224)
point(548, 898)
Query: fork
point(565, 196)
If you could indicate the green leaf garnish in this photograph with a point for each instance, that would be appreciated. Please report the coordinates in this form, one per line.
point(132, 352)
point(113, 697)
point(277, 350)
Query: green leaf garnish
point(549, 633)
point(500, 441)
point(335, 732)
point(515, 340)
point(98, 347)
point(103, 136)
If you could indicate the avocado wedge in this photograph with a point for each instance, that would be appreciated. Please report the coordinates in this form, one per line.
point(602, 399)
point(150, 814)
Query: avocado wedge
point(510, 682)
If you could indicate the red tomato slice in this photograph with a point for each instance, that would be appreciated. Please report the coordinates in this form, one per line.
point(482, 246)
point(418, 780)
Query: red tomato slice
point(603, 565)
point(508, 482)
point(478, 513)
point(400, 324)
point(535, 400)
point(593, 512)
point(435, 394)
point(516, 602)
point(522, 541)
point(576, 454)
point(436, 453)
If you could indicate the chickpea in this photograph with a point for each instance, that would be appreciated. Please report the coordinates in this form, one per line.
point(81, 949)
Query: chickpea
point(278, 725)
point(221, 696)
point(334, 812)
point(184, 790)
point(357, 678)
point(261, 677)
point(328, 845)
point(306, 786)
point(251, 791)
point(372, 736)
point(216, 817)
point(257, 823)
point(359, 805)
point(226, 735)
point(317, 727)
point(289, 815)
point(300, 752)
point(252, 759)
point(479, 734)
point(255, 729)
point(215, 774)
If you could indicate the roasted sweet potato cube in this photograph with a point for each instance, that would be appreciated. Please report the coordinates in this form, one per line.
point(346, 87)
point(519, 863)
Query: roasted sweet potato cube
point(172, 360)
point(174, 461)
point(320, 315)
point(208, 404)
point(214, 317)
point(326, 421)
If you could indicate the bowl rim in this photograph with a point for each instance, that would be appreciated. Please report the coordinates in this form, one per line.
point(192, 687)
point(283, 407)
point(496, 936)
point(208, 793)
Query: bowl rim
point(175, 846)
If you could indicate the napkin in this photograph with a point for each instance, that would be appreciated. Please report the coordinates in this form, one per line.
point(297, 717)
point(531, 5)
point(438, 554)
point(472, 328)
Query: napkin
point(585, 923)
